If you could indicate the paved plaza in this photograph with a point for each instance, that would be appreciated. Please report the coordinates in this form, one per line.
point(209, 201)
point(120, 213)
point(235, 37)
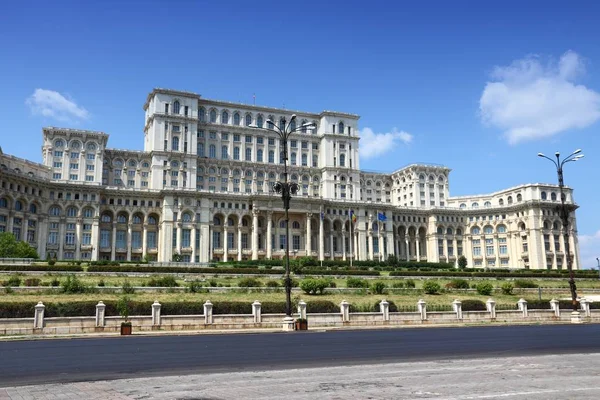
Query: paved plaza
point(573, 376)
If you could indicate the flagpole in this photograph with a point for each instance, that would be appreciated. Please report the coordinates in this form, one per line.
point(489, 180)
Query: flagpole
point(351, 239)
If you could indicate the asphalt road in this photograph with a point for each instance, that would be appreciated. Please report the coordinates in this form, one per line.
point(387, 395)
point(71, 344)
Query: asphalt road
point(74, 360)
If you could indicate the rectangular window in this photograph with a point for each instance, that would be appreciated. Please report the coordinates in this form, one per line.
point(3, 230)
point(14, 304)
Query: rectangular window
point(271, 141)
point(74, 154)
point(70, 238)
point(259, 140)
point(90, 156)
point(151, 240)
point(73, 177)
point(121, 239)
point(57, 164)
point(296, 242)
point(230, 241)
point(216, 242)
point(236, 138)
point(58, 154)
point(245, 241)
point(186, 238)
point(489, 247)
point(282, 242)
point(248, 139)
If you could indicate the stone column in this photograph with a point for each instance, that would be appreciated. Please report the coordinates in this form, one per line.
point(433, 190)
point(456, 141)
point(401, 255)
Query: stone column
point(422, 307)
point(418, 243)
point(156, 313)
point(302, 309)
point(254, 233)
point(144, 240)
point(256, 312)
point(390, 244)
point(100, 313)
point(331, 253)
point(269, 234)
point(407, 249)
point(114, 241)
point(345, 311)
point(308, 242)
point(446, 248)
point(78, 229)
point(491, 308)
point(206, 253)
point(38, 320)
point(225, 244)
point(355, 252)
point(95, 239)
point(554, 306)
point(371, 244)
point(384, 307)
point(193, 242)
point(26, 228)
point(61, 238)
point(208, 315)
point(343, 245)
point(239, 243)
point(42, 236)
point(522, 303)
point(457, 306)
point(321, 239)
point(179, 227)
point(129, 241)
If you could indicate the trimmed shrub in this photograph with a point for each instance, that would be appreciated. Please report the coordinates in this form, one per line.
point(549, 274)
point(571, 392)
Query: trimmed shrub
point(507, 288)
point(249, 282)
point(321, 306)
point(473, 305)
point(49, 268)
point(457, 284)
point(33, 282)
point(357, 283)
point(272, 284)
point(13, 281)
point(195, 286)
point(431, 287)
point(162, 281)
point(398, 285)
point(101, 283)
point(410, 284)
point(485, 288)
point(378, 287)
point(73, 285)
point(314, 286)
point(128, 288)
point(522, 283)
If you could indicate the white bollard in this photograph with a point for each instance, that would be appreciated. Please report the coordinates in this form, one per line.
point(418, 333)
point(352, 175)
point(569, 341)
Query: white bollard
point(38, 319)
point(156, 313)
point(100, 313)
point(457, 307)
point(422, 307)
point(345, 310)
point(208, 312)
point(302, 309)
point(491, 308)
point(384, 307)
point(585, 307)
point(256, 313)
point(554, 306)
point(522, 303)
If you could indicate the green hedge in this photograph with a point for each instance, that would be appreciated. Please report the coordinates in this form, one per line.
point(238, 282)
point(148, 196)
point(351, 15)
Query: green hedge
point(54, 268)
point(491, 274)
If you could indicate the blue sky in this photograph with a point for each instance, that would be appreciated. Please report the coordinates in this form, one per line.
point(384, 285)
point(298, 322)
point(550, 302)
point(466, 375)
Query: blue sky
point(479, 87)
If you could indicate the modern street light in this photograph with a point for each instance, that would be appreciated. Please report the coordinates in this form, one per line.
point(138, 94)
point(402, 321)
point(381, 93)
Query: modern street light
point(564, 214)
point(286, 189)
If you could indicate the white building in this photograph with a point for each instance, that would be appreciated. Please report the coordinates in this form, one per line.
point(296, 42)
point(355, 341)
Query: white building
point(202, 189)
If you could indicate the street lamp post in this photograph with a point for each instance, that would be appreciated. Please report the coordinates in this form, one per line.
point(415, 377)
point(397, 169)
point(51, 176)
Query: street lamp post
point(286, 189)
point(564, 215)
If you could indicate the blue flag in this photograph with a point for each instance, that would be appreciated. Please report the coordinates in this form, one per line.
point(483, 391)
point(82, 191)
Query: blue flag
point(381, 216)
point(322, 215)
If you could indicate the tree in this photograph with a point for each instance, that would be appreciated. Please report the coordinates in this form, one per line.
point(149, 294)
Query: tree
point(13, 248)
point(462, 262)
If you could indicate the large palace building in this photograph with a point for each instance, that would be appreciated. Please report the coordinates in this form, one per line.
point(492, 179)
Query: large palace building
point(202, 189)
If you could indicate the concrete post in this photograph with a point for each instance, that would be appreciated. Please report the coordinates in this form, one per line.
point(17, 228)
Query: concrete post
point(100, 313)
point(256, 313)
point(208, 315)
point(585, 307)
point(555, 307)
point(345, 310)
point(302, 309)
point(38, 320)
point(384, 306)
point(156, 313)
point(491, 308)
point(523, 307)
point(422, 307)
point(457, 307)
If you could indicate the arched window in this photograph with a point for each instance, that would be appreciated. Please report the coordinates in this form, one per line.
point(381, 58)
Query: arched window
point(236, 153)
point(202, 114)
point(201, 149)
point(303, 127)
point(59, 143)
point(501, 202)
point(304, 160)
point(463, 205)
point(342, 159)
point(236, 172)
point(440, 230)
point(271, 156)
point(106, 218)
point(459, 232)
point(293, 125)
point(259, 121)
point(281, 158)
point(18, 205)
point(475, 230)
point(71, 212)
point(282, 223)
point(132, 163)
point(501, 229)
point(519, 197)
point(259, 155)
point(212, 151)
point(475, 205)
point(293, 159)
point(213, 116)
point(174, 164)
point(488, 230)
point(341, 127)
point(487, 204)
point(295, 225)
point(187, 217)
point(553, 196)
point(236, 119)
point(224, 153)
point(544, 196)
point(33, 208)
point(248, 119)
point(137, 220)
point(216, 221)
point(282, 124)
point(421, 178)
point(151, 220)
point(230, 222)
point(175, 143)
point(88, 213)
point(556, 226)
point(91, 147)
point(176, 107)
point(509, 200)
point(121, 219)
point(54, 211)
point(248, 155)
point(224, 117)
point(449, 231)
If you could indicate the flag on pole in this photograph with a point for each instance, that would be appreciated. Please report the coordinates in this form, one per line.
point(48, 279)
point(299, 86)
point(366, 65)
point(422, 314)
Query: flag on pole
point(352, 216)
point(381, 216)
point(322, 215)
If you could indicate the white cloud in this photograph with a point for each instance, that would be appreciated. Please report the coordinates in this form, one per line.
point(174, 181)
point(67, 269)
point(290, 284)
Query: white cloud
point(375, 144)
point(49, 103)
point(531, 100)
point(589, 248)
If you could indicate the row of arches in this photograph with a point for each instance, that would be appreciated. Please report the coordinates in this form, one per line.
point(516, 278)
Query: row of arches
point(488, 204)
point(228, 117)
point(75, 144)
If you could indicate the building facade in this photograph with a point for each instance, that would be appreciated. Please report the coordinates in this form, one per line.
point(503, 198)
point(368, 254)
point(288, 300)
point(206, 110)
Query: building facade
point(202, 189)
